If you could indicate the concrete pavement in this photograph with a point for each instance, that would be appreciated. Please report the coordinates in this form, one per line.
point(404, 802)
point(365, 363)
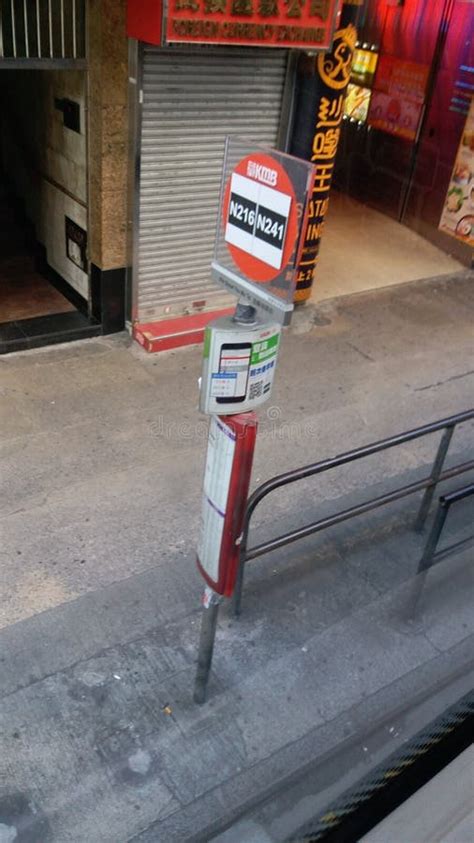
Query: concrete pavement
point(102, 453)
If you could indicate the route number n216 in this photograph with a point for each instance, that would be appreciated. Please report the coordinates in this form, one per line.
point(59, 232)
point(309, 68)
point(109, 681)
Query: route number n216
point(242, 212)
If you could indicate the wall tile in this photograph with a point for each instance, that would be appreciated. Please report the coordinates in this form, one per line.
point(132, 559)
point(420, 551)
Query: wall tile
point(114, 229)
point(108, 141)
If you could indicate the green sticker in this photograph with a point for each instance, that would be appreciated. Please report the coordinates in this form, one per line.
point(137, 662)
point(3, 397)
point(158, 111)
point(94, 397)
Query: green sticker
point(207, 343)
point(264, 349)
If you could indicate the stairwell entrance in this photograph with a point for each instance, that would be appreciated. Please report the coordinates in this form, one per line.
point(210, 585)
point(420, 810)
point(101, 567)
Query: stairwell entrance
point(44, 277)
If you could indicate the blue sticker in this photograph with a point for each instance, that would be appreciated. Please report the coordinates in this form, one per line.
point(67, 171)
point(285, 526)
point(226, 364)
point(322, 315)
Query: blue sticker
point(224, 376)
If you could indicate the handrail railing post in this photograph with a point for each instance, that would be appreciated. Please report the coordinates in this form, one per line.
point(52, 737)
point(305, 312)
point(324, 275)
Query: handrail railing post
point(435, 475)
point(429, 484)
point(432, 541)
point(427, 557)
point(239, 582)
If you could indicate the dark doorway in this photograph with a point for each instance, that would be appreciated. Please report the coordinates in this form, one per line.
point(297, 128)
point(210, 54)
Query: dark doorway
point(44, 274)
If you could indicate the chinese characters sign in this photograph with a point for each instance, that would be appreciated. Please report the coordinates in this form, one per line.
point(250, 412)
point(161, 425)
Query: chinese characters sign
point(319, 141)
point(398, 97)
point(264, 23)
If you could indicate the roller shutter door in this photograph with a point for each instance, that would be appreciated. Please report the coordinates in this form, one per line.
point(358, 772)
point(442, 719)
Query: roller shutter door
point(191, 101)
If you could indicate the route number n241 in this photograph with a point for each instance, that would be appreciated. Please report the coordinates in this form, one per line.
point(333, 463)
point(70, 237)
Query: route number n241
point(268, 226)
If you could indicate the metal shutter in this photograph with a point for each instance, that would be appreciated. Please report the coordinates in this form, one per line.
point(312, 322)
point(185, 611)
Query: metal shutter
point(191, 101)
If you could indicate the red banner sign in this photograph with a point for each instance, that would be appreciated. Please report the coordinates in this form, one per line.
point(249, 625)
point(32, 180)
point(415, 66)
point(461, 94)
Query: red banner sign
point(398, 97)
point(265, 23)
point(255, 23)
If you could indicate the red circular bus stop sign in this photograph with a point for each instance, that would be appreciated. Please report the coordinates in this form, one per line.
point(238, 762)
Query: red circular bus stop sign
point(260, 217)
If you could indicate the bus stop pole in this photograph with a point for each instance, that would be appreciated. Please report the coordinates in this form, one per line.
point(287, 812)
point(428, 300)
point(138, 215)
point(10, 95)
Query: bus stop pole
point(211, 602)
point(435, 475)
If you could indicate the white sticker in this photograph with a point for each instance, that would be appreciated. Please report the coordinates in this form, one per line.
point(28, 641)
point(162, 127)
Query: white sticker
point(219, 461)
point(257, 219)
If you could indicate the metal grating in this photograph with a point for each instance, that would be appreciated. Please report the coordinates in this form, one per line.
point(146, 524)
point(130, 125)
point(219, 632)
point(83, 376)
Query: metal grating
point(191, 101)
point(42, 29)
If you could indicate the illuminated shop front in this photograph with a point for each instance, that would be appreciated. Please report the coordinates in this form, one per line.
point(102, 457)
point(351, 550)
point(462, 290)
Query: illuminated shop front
point(211, 68)
point(406, 111)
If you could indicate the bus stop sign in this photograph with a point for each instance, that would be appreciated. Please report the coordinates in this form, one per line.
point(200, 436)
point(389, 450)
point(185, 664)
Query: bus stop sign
point(261, 220)
point(264, 198)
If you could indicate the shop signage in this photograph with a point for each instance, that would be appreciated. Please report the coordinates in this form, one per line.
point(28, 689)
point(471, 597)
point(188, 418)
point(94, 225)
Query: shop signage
point(364, 65)
point(308, 24)
point(398, 98)
point(457, 218)
point(359, 89)
point(317, 132)
point(264, 197)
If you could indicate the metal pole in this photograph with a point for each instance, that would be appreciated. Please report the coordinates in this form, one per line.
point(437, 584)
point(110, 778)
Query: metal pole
point(239, 583)
point(12, 8)
point(435, 475)
point(207, 637)
point(50, 29)
point(430, 547)
point(63, 40)
point(25, 23)
point(426, 560)
point(38, 27)
point(74, 24)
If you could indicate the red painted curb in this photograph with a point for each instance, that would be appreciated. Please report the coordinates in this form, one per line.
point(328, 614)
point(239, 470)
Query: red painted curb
point(175, 333)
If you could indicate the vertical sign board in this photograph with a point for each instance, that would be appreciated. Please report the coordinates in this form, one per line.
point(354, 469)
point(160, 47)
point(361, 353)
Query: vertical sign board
point(319, 109)
point(226, 482)
point(264, 197)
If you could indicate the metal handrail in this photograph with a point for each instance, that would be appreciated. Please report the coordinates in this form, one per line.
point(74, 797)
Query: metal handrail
point(448, 425)
point(428, 483)
point(444, 505)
